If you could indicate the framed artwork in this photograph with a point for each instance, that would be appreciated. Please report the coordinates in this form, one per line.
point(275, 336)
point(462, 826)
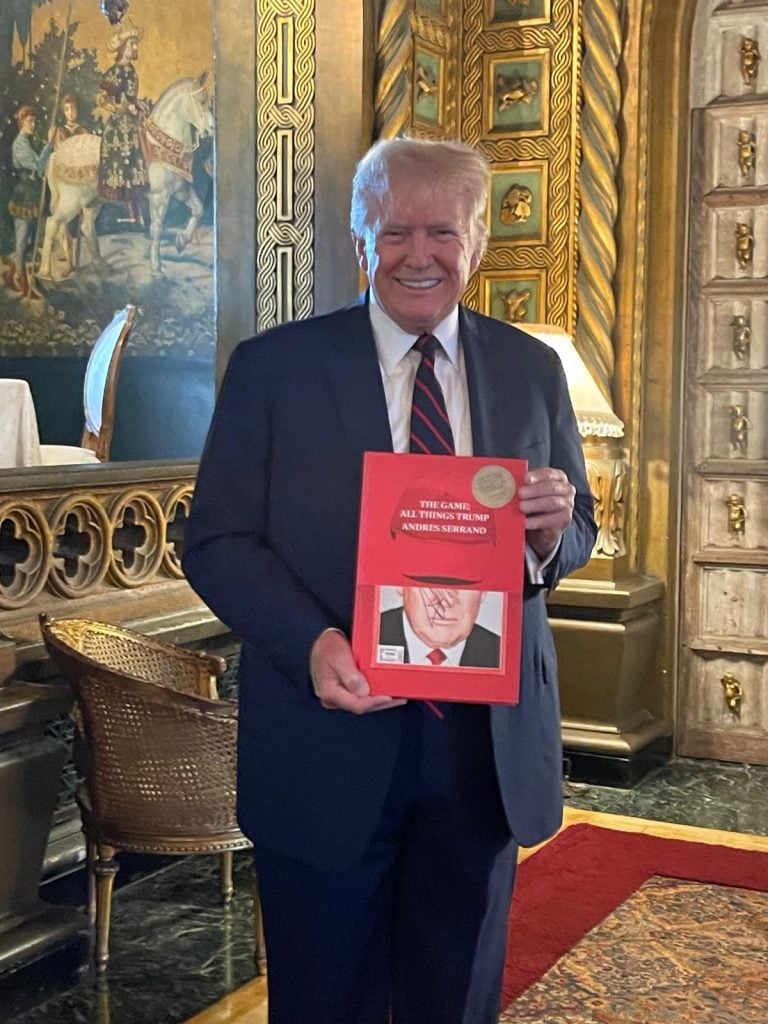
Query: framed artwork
point(428, 86)
point(515, 296)
point(514, 13)
point(517, 93)
point(517, 208)
point(432, 6)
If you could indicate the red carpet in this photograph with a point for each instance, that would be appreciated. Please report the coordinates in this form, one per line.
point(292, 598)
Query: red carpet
point(572, 883)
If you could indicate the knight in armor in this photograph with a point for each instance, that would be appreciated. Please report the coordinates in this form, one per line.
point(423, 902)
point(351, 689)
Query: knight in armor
point(29, 164)
point(122, 171)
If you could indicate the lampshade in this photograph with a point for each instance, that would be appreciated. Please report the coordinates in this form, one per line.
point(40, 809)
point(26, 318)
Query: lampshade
point(594, 414)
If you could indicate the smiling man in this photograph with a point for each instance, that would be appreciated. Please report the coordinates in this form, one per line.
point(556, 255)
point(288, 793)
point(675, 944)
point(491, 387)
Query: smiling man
point(385, 838)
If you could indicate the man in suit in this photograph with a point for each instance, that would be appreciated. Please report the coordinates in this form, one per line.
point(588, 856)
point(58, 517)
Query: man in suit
point(438, 626)
point(385, 837)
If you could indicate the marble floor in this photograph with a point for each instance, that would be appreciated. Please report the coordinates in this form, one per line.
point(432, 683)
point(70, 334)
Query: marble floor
point(175, 950)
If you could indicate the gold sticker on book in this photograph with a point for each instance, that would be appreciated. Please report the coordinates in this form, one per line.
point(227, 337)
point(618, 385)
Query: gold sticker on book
point(493, 486)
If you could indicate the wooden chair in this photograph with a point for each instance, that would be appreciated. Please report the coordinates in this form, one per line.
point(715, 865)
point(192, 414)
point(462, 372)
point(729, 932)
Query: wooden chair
point(99, 390)
point(157, 749)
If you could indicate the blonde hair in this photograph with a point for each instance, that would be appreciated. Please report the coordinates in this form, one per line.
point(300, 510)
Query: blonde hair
point(450, 163)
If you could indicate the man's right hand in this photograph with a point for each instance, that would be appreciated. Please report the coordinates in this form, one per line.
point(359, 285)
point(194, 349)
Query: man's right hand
point(338, 683)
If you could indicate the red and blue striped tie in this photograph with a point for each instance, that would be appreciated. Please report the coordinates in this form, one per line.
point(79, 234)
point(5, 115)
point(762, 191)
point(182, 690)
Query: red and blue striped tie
point(431, 432)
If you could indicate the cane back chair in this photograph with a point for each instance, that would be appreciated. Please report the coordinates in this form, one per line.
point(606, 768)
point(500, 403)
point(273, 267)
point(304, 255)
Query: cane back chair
point(157, 750)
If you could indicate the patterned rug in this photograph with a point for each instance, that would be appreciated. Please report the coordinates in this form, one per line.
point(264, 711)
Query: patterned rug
point(641, 930)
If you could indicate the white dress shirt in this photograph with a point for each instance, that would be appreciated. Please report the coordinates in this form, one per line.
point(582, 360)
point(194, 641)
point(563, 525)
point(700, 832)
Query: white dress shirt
point(399, 361)
point(418, 650)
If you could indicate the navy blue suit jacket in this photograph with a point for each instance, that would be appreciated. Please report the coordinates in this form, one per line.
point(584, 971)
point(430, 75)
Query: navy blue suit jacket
point(270, 546)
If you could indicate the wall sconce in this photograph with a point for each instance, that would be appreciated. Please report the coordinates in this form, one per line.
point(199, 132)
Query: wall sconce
point(607, 466)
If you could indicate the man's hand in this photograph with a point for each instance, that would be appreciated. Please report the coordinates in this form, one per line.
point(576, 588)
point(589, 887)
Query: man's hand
point(337, 681)
point(546, 500)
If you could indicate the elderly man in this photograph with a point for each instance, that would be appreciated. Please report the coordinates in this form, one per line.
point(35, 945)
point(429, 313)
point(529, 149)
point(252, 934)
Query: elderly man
point(385, 837)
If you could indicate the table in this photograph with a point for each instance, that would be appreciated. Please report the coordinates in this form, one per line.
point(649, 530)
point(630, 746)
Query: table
point(19, 438)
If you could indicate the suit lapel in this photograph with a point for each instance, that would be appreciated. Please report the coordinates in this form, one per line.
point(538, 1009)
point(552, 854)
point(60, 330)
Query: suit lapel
point(497, 399)
point(355, 379)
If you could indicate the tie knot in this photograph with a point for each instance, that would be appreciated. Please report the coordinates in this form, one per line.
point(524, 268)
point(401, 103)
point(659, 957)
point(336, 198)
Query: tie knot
point(436, 657)
point(427, 345)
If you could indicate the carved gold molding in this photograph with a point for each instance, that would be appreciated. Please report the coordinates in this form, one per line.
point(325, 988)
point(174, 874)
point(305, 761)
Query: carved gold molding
point(394, 70)
point(598, 186)
point(74, 545)
point(487, 45)
point(285, 63)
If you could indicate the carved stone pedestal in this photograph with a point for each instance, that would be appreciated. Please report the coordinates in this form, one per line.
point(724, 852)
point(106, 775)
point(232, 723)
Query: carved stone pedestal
point(30, 767)
point(607, 635)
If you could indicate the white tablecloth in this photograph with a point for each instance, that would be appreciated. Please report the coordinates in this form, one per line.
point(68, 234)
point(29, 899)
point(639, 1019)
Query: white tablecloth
point(19, 439)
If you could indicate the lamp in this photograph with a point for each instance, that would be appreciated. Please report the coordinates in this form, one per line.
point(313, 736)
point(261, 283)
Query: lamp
point(607, 467)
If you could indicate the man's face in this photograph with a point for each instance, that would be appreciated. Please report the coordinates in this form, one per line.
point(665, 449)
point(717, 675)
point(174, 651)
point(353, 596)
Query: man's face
point(28, 124)
point(419, 254)
point(441, 617)
point(70, 112)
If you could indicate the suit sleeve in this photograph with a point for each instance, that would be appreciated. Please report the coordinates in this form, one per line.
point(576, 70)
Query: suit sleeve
point(567, 454)
point(227, 557)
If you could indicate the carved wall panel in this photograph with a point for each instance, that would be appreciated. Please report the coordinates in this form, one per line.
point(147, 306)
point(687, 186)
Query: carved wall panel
point(739, 730)
point(734, 605)
point(723, 699)
point(285, 65)
point(734, 424)
point(739, 238)
point(714, 528)
point(519, 102)
point(116, 537)
point(735, 146)
point(734, 331)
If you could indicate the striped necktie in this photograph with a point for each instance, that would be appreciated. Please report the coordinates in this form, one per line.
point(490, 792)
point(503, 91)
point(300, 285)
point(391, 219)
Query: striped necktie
point(431, 432)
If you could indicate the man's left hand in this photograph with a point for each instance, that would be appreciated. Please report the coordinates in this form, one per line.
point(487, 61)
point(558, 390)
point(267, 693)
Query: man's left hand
point(546, 500)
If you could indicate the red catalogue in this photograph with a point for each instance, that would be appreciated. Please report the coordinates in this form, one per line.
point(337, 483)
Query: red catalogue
point(440, 562)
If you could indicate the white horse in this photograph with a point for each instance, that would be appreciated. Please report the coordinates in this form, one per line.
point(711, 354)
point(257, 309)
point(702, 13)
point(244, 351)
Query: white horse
point(73, 178)
point(178, 120)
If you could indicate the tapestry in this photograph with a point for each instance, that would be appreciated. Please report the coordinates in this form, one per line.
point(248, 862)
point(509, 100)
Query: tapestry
point(106, 175)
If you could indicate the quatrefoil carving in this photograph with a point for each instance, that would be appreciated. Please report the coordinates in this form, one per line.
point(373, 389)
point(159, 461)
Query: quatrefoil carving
point(25, 553)
point(82, 546)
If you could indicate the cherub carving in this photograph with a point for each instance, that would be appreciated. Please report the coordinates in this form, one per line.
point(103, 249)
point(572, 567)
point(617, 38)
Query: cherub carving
point(739, 429)
point(742, 336)
point(516, 205)
point(750, 59)
point(516, 305)
point(745, 244)
point(747, 149)
point(515, 90)
point(737, 513)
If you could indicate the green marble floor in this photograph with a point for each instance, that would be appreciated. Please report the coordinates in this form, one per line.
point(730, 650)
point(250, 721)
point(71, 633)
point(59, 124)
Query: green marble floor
point(175, 950)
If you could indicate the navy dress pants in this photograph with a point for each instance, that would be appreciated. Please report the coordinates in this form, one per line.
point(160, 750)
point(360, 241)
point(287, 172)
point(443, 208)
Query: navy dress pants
point(415, 932)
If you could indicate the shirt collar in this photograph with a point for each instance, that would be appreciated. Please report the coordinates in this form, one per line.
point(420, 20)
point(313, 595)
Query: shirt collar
point(393, 343)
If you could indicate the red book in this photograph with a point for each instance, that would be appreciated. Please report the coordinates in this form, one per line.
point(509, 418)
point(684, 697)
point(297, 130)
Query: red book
point(438, 598)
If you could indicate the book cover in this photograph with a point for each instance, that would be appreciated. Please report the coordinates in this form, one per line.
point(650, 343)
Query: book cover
point(440, 563)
